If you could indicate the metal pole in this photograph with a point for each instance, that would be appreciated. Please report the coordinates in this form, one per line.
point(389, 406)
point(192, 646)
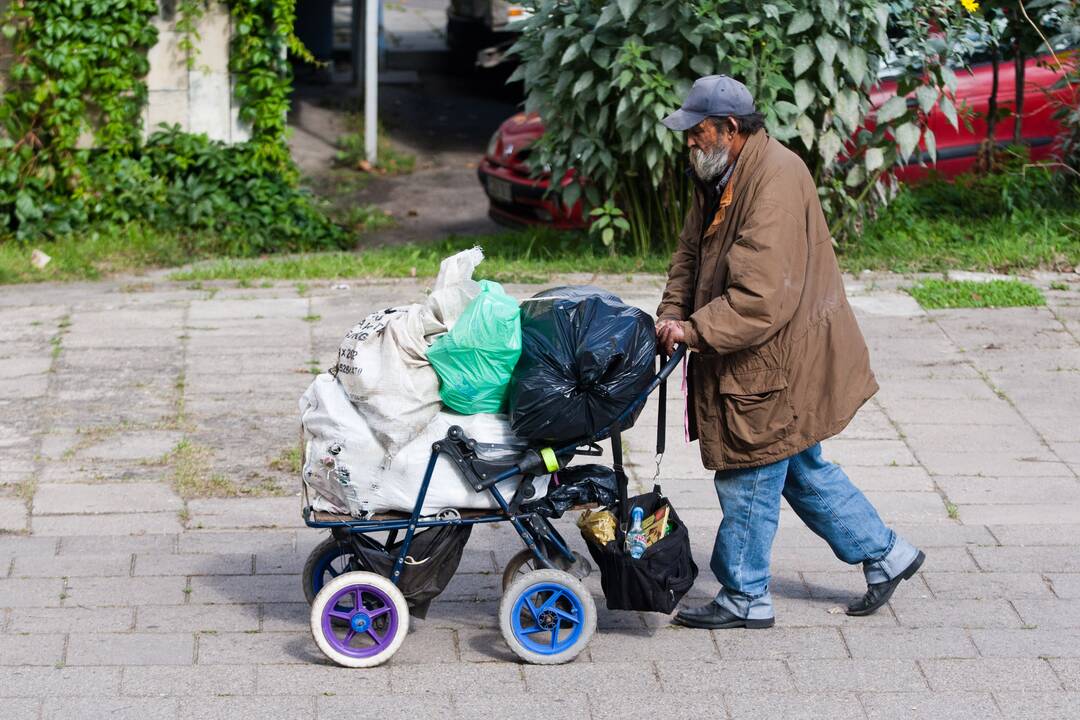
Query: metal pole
point(371, 79)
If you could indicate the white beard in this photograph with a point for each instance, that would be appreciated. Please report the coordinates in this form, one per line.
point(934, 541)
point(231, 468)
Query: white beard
point(708, 166)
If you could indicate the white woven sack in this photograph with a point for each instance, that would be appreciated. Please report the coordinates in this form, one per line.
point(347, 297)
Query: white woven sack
point(382, 362)
point(336, 436)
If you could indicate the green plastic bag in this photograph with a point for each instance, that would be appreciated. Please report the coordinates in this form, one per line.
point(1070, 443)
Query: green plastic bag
point(475, 359)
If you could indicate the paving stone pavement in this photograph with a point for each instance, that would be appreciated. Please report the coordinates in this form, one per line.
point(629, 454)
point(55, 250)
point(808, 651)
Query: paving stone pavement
point(123, 594)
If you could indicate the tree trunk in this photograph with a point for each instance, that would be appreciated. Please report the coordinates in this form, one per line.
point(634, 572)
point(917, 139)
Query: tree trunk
point(1018, 120)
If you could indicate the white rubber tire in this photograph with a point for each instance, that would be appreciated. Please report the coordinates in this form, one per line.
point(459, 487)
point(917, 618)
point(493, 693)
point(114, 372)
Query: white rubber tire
point(342, 581)
point(328, 545)
point(571, 584)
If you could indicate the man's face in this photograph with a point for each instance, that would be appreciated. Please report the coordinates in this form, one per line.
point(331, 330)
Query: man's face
point(710, 147)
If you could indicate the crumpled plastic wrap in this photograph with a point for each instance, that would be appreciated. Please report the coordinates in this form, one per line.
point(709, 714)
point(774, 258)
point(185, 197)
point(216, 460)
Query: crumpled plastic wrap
point(573, 486)
point(598, 525)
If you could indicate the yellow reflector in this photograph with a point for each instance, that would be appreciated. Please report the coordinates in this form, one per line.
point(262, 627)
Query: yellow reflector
point(550, 461)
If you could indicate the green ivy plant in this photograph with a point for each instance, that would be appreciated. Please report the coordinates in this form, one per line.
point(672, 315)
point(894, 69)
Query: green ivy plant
point(188, 15)
point(77, 82)
point(76, 71)
point(602, 75)
point(262, 35)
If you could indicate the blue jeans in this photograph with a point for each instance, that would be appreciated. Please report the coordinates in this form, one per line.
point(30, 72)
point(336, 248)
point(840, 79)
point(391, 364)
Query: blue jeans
point(824, 498)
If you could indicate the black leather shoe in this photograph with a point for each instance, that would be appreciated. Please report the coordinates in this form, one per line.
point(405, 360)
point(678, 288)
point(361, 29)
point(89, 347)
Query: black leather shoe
point(879, 593)
point(715, 617)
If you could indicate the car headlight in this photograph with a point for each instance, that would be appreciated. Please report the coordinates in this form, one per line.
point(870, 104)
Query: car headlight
point(493, 144)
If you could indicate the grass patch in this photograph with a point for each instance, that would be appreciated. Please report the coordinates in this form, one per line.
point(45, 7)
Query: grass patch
point(1005, 223)
point(352, 154)
point(56, 342)
point(90, 436)
point(1002, 223)
point(192, 476)
point(1026, 241)
point(97, 252)
point(531, 255)
point(25, 489)
point(288, 461)
point(94, 253)
point(941, 294)
point(366, 218)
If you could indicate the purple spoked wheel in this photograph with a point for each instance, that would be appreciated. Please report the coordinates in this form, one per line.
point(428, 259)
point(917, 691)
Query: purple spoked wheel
point(359, 619)
point(370, 621)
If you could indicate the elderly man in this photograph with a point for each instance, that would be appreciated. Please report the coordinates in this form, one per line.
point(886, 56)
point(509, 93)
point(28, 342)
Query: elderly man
point(778, 363)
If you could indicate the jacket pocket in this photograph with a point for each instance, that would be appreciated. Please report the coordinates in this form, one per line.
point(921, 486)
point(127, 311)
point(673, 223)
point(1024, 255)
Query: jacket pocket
point(755, 409)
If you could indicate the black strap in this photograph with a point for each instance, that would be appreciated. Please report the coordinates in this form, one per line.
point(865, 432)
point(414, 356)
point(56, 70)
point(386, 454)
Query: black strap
point(661, 421)
point(616, 448)
point(620, 483)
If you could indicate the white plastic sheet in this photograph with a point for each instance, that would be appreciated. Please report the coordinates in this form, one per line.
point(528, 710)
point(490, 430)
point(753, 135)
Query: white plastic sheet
point(376, 482)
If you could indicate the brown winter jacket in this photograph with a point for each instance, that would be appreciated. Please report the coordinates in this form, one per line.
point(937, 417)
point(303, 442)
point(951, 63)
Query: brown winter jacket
point(778, 361)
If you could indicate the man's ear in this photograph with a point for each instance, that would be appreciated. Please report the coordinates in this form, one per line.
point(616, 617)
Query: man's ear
point(733, 126)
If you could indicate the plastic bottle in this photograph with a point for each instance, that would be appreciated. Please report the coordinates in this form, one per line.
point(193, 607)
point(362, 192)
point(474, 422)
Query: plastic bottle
point(635, 538)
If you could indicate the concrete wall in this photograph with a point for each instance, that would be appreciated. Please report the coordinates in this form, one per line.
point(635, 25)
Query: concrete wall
point(200, 100)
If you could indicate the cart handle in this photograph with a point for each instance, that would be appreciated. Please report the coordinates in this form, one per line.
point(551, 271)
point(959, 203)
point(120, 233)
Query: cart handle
point(662, 376)
point(672, 362)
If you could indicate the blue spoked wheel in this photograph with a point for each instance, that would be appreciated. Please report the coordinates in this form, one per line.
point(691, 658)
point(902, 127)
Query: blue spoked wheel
point(328, 560)
point(547, 617)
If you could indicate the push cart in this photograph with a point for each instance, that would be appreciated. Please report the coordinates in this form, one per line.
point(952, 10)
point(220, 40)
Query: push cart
point(360, 617)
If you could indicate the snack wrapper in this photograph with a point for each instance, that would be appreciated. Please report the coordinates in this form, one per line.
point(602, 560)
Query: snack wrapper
point(599, 525)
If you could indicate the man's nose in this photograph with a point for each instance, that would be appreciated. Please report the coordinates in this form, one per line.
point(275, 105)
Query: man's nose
point(690, 142)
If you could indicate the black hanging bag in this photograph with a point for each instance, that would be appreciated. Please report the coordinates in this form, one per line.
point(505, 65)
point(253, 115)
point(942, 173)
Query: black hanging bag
point(656, 581)
point(433, 557)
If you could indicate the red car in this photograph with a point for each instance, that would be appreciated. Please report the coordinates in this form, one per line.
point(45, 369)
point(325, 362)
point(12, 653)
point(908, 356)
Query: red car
point(519, 199)
point(957, 147)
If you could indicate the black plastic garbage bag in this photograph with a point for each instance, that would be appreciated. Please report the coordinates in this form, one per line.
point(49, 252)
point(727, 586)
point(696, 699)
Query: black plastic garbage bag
point(433, 558)
point(577, 485)
point(585, 357)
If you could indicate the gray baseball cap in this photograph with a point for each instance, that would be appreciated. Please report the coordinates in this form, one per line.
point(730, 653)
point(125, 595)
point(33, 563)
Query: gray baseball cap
point(711, 96)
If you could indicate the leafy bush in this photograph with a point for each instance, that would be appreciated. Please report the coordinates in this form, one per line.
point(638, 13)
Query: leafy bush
point(602, 75)
point(1065, 15)
point(76, 71)
point(181, 182)
point(223, 188)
